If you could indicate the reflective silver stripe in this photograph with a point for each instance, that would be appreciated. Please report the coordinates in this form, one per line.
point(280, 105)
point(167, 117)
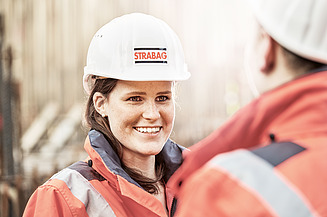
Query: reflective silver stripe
point(83, 190)
point(258, 175)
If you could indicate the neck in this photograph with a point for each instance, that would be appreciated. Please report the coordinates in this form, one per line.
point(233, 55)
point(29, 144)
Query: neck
point(280, 74)
point(142, 163)
point(276, 79)
point(146, 165)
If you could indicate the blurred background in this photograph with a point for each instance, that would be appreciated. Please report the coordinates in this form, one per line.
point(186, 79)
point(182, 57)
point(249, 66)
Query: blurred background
point(43, 48)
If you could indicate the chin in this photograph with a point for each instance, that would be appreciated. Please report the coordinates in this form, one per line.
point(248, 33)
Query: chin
point(153, 151)
point(150, 147)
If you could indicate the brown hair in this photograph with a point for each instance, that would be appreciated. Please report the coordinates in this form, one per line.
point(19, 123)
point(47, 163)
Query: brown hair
point(299, 63)
point(95, 121)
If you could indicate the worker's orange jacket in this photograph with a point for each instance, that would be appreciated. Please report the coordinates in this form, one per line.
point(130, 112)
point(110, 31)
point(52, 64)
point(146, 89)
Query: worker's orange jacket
point(269, 159)
point(100, 187)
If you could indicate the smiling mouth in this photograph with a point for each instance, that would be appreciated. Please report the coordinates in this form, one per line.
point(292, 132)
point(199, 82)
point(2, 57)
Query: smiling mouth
point(148, 129)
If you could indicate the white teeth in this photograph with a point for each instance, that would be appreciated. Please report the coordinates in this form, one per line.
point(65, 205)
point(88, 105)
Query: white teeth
point(148, 129)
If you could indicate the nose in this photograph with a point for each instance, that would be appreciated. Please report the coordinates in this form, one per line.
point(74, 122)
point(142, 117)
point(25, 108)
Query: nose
point(151, 111)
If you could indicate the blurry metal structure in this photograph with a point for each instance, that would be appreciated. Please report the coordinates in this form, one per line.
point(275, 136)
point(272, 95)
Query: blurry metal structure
point(9, 196)
point(1, 84)
point(6, 110)
point(38, 128)
point(51, 147)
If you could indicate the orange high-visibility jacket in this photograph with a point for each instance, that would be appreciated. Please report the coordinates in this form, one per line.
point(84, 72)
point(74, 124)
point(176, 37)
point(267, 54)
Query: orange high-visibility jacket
point(269, 159)
point(101, 187)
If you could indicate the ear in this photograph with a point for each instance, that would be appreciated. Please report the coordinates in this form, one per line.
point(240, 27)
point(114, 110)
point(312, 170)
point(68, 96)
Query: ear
point(99, 101)
point(268, 47)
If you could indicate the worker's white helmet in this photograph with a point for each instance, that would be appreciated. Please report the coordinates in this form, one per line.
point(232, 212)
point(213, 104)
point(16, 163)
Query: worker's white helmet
point(136, 47)
point(298, 25)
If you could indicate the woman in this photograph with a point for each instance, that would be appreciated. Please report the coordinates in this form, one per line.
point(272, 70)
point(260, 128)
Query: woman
point(132, 65)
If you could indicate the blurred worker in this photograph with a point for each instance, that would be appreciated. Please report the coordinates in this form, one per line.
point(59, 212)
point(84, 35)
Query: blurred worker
point(132, 65)
point(270, 159)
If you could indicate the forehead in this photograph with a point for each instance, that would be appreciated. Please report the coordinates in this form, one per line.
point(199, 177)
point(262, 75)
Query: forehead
point(144, 86)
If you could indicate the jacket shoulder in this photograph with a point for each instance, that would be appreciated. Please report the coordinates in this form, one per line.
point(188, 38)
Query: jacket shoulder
point(251, 176)
point(69, 193)
point(54, 199)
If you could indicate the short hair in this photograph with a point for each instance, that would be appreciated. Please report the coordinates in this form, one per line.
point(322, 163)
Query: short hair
point(298, 63)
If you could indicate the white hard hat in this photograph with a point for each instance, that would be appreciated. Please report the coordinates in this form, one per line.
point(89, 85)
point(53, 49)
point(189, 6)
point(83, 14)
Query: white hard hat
point(136, 47)
point(298, 25)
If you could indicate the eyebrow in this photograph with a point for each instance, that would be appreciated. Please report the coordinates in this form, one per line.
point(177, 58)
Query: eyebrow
point(136, 93)
point(144, 93)
point(164, 92)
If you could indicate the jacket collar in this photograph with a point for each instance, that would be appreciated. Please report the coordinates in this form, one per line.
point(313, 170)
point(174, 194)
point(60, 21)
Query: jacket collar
point(108, 164)
point(286, 111)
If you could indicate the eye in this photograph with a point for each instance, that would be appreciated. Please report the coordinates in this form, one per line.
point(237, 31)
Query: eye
point(162, 98)
point(134, 99)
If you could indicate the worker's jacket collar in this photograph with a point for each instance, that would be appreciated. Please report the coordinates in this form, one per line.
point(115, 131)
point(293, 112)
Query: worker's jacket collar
point(107, 162)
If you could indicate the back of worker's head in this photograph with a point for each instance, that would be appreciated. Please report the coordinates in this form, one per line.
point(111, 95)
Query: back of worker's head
point(297, 25)
point(297, 32)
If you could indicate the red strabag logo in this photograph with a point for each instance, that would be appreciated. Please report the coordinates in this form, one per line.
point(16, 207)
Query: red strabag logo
point(146, 55)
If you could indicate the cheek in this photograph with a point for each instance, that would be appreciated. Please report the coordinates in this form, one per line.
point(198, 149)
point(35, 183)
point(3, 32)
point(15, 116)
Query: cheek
point(168, 114)
point(119, 118)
